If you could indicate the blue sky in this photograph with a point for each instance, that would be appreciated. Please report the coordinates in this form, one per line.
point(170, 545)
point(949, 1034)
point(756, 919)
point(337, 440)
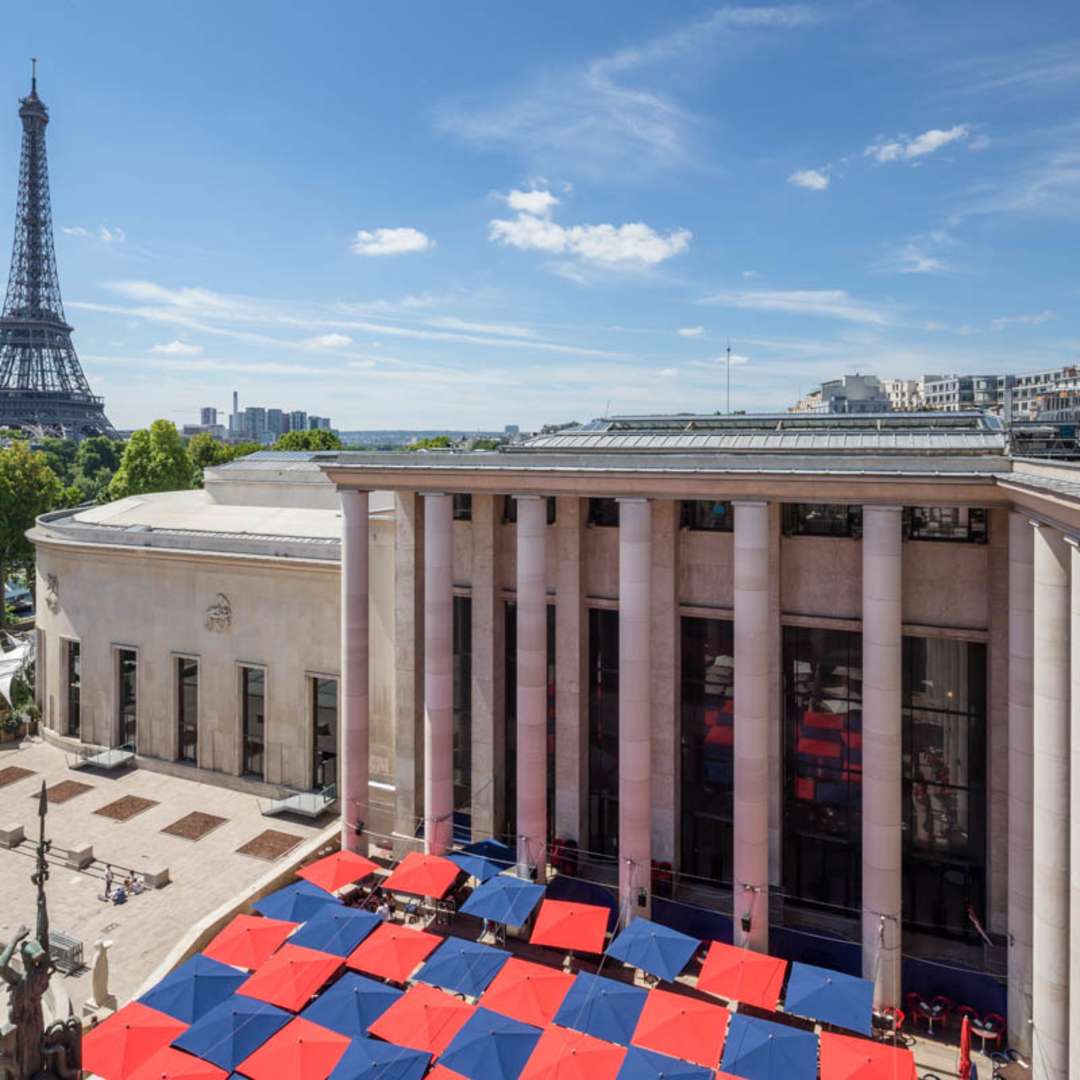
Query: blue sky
point(443, 215)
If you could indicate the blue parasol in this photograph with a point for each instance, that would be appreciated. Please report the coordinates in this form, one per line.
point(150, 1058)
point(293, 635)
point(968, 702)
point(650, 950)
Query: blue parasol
point(370, 1059)
point(642, 1064)
point(603, 1008)
point(295, 903)
point(463, 966)
point(336, 929)
point(194, 988)
point(657, 949)
point(232, 1031)
point(504, 899)
point(830, 997)
point(352, 1005)
point(490, 1047)
point(762, 1050)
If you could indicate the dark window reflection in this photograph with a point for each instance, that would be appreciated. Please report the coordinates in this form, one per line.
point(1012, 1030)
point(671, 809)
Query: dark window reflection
point(325, 711)
point(707, 515)
point(823, 766)
point(462, 703)
point(944, 783)
point(603, 730)
point(74, 688)
point(955, 523)
point(510, 735)
point(822, 519)
point(253, 715)
point(708, 747)
point(127, 673)
point(187, 708)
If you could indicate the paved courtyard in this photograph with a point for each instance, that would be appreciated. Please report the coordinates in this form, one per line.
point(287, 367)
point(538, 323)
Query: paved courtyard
point(204, 873)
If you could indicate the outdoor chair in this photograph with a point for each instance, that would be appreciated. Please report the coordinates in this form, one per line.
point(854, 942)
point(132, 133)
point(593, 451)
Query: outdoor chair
point(990, 1029)
point(941, 1008)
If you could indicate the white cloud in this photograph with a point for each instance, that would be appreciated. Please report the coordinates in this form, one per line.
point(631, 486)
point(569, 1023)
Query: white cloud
point(107, 235)
point(749, 275)
point(1004, 321)
point(832, 303)
point(904, 148)
point(390, 241)
point(633, 244)
point(535, 202)
point(452, 322)
point(607, 118)
point(328, 341)
point(690, 331)
point(177, 348)
point(667, 372)
point(915, 256)
point(811, 179)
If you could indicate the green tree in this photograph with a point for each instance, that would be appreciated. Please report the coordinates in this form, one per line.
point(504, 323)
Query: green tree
point(155, 459)
point(485, 444)
point(239, 450)
point(432, 442)
point(60, 454)
point(320, 439)
point(28, 487)
point(204, 450)
point(97, 453)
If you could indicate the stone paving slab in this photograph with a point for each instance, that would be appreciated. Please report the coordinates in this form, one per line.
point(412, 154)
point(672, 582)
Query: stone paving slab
point(204, 875)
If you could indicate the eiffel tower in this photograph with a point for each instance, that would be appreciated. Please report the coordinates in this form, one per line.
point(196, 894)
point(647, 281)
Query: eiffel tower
point(42, 386)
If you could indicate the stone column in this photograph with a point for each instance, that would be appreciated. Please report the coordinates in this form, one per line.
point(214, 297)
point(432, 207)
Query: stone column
point(750, 832)
point(531, 685)
point(635, 694)
point(1074, 807)
point(354, 670)
point(882, 765)
point(666, 727)
point(488, 715)
point(1050, 836)
point(438, 673)
point(571, 674)
point(1021, 867)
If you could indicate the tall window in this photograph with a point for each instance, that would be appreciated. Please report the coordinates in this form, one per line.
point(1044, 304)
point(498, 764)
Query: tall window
point(253, 719)
point(462, 508)
point(187, 708)
point(510, 736)
point(73, 677)
point(462, 703)
point(707, 515)
point(955, 523)
point(604, 512)
point(822, 519)
point(604, 731)
point(944, 687)
point(823, 766)
point(127, 683)
point(324, 710)
point(708, 744)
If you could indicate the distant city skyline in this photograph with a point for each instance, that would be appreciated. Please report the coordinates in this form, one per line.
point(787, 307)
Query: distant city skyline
point(490, 216)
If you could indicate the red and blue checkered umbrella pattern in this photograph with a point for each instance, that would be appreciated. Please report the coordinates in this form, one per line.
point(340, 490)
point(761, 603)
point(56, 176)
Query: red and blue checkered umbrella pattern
point(314, 989)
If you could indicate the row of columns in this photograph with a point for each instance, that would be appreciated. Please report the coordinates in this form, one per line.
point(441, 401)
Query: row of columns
point(1041, 709)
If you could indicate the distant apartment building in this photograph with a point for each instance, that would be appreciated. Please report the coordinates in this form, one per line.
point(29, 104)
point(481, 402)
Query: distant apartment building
point(848, 394)
point(208, 416)
point(318, 423)
point(264, 425)
point(298, 420)
point(277, 421)
point(905, 395)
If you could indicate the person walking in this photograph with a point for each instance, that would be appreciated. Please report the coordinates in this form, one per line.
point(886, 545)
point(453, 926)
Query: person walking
point(108, 881)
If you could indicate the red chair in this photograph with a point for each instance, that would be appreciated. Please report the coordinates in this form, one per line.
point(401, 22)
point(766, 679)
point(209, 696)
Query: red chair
point(941, 1008)
point(991, 1029)
point(965, 1010)
point(913, 1005)
point(894, 1022)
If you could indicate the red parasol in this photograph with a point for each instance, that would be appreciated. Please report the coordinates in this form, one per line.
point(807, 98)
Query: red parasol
point(119, 1045)
point(742, 975)
point(441, 1072)
point(338, 870)
point(423, 875)
point(290, 978)
point(964, 1068)
point(562, 1054)
point(249, 940)
point(423, 1018)
point(301, 1050)
point(682, 1027)
point(845, 1057)
point(531, 993)
point(172, 1064)
point(562, 924)
point(393, 952)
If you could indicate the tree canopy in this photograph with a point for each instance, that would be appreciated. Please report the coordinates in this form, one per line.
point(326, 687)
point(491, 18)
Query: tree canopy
point(28, 487)
point(431, 442)
point(318, 439)
point(155, 459)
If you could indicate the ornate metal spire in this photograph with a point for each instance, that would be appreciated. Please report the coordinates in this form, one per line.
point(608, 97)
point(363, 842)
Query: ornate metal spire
point(41, 873)
point(42, 385)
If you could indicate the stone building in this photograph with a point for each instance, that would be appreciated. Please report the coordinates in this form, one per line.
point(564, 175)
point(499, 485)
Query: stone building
point(806, 683)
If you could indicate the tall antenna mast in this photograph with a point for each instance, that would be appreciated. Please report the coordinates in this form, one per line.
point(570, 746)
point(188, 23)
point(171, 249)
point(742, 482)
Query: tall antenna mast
point(729, 377)
point(33, 74)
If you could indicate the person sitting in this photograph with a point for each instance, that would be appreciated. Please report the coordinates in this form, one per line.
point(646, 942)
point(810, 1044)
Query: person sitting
point(120, 896)
point(383, 910)
point(137, 886)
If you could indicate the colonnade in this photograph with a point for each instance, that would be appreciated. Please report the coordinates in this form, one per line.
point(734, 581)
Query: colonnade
point(1043, 900)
